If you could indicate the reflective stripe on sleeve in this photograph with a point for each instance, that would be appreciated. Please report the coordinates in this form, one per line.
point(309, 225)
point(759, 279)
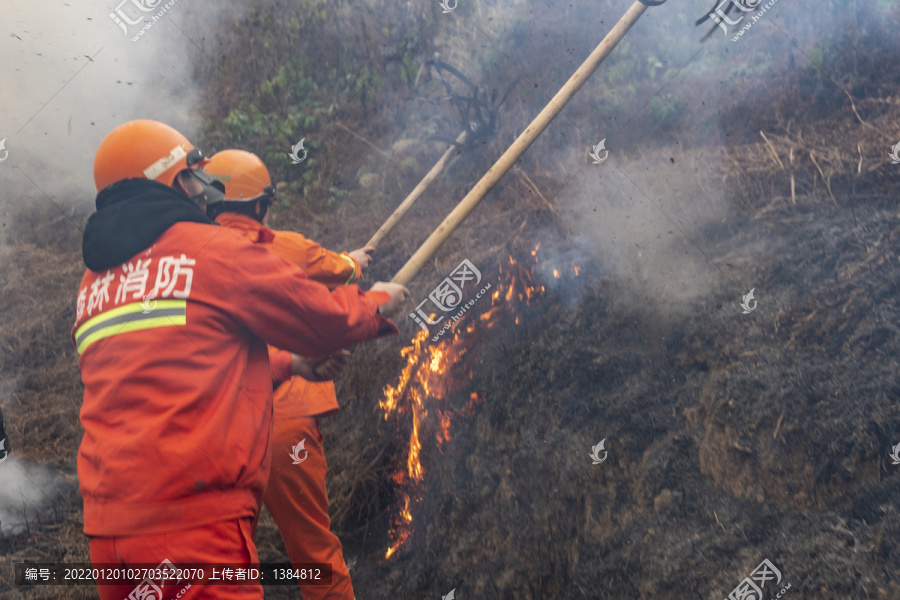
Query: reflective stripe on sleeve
point(352, 263)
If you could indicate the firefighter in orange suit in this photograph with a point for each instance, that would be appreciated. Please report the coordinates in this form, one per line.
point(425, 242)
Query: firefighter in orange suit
point(296, 494)
point(172, 320)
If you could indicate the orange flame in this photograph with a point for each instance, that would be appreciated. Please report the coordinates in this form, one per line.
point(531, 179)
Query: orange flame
point(444, 435)
point(424, 380)
point(413, 463)
point(489, 314)
point(392, 394)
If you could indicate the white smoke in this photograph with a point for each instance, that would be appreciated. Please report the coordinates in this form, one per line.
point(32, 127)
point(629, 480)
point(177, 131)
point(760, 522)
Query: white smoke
point(26, 492)
point(644, 214)
point(70, 75)
point(642, 219)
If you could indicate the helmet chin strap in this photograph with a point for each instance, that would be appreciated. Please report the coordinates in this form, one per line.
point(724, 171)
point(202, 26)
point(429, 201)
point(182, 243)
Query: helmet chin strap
point(244, 206)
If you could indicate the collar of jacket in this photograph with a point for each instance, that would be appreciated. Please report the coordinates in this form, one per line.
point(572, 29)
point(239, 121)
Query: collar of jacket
point(255, 231)
point(131, 215)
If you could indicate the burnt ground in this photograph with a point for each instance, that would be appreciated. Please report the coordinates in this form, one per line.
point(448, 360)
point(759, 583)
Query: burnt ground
point(732, 438)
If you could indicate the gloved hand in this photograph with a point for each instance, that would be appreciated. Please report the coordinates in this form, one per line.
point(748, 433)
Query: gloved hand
point(320, 368)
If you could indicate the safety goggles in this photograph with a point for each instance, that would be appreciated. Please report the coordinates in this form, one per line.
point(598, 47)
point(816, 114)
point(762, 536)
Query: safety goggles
point(213, 190)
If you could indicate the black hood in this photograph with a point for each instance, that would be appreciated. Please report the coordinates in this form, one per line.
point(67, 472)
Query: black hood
point(130, 215)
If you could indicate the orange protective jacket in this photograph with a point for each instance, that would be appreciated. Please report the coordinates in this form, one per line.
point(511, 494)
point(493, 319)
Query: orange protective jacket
point(326, 267)
point(177, 409)
point(308, 399)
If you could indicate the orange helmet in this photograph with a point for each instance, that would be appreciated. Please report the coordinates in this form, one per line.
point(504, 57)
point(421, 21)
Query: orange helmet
point(244, 175)
point(144, 149)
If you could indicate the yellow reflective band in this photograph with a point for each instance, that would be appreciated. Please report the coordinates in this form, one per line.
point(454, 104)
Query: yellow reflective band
point(352, 277)
point(131, 317)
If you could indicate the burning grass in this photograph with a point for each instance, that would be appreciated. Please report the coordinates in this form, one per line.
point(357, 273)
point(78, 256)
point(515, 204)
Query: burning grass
point(421, 391)
point(730, 439)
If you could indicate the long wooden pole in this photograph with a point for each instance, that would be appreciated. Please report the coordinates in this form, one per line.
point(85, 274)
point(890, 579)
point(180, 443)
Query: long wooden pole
point(414, 195)
point(518, 147)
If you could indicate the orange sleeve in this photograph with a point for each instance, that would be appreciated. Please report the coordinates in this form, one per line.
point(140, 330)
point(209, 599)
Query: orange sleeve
point(281, 364)
point(277, 302)
point(324, 266)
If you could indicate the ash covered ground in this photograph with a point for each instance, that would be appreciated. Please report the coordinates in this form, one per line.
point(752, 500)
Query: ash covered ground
point(731, 437)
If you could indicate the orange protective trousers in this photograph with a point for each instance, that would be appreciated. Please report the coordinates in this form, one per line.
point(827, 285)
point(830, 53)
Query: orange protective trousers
point(298, 502)
point(226, 542)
